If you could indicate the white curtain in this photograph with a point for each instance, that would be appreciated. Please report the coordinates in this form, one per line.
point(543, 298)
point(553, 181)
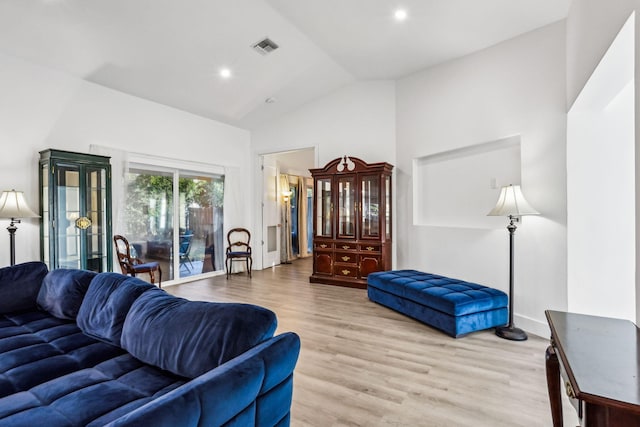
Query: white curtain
point(234, 193)
point(286, 250)
point(119, 168)
point(234, 214)
point(303, 227)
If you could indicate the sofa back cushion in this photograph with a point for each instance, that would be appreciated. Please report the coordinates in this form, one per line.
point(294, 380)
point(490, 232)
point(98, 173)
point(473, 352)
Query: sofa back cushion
point(189, 338)
point(19, 286)
point(107, 303)
point(62, 292)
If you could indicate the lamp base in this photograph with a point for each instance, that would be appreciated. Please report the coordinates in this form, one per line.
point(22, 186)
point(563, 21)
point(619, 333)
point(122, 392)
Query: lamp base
point(511, 333)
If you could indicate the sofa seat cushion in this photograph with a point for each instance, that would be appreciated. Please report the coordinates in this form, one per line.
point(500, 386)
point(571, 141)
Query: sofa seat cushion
point(37, 347)
point(89, 397)
point(450, 296)
point(190, 338)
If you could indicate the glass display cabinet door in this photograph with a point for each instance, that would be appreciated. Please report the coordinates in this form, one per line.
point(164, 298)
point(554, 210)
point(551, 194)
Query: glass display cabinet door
point(67, 235)
point(323, 208)
point(370, 205)
point(95, 219)
point(346, 206)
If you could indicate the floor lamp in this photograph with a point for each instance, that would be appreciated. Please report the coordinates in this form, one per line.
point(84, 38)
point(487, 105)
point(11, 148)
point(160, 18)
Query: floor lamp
point(13, 206)
point(511, 203)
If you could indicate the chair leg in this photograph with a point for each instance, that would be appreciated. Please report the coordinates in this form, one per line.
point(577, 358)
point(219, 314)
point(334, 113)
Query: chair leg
point(227, 266)
point(186, 266)
point(152, 277)
point(249, 265)
point(159, 277)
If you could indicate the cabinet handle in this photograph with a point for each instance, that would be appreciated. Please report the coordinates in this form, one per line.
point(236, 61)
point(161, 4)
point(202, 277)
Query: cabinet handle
point(346, 247)
point(569, 390)
point(346, 272)
point(83, 223)
point(323, 246)
point(346, 258)
point(370, 248)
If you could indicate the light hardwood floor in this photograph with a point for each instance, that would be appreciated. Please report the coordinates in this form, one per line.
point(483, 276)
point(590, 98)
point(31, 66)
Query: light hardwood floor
point(362, 364)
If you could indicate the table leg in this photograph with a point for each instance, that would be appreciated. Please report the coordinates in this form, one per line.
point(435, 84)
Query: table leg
point(553, 385)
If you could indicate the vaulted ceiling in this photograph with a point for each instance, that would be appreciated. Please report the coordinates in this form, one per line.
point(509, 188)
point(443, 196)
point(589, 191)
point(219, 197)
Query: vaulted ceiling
point(171, 51)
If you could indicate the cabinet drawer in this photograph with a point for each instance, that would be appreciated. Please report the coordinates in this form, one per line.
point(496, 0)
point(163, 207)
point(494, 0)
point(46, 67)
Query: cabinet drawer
point(345, 270)
point(322, 245)
point(346, 257)
point(568, 389)
point(346, 246)
point(373, 247)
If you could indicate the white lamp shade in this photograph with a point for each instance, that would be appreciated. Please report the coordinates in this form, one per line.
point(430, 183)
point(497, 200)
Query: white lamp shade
point(511, 202)
point(13, 205)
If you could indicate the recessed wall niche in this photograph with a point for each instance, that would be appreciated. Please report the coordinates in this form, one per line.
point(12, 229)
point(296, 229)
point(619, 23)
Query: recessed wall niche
point(457, 188)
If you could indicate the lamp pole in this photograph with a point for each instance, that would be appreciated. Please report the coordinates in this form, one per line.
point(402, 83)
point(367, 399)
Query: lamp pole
point(510, 332)
point(12, 240)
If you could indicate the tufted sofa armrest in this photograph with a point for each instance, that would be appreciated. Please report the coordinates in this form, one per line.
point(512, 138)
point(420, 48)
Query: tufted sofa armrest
point(254, 388)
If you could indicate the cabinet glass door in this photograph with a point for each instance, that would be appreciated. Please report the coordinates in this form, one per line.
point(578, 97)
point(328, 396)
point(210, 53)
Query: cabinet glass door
point(95, 211)
point(346, 206)
point(67, 235)
point(323, 208)
point(370, 193)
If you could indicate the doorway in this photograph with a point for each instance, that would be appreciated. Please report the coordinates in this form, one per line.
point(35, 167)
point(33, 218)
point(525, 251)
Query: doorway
point(286, 184)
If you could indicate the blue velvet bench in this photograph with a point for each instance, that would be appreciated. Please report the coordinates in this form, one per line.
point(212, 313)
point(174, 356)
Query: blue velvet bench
point(453, 306)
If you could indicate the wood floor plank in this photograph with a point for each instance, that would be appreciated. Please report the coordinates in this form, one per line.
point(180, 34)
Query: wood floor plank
point(362, 364)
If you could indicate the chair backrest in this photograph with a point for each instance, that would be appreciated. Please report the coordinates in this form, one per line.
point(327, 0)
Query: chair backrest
point(240, 237)
point(123, 251)
point(185, 243)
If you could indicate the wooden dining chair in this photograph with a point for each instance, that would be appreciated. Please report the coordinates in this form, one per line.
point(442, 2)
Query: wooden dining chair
point(131, 265)
point(239, 249)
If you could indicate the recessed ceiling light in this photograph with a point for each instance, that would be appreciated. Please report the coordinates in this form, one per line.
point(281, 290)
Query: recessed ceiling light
point(400, 14)
point(225, 73)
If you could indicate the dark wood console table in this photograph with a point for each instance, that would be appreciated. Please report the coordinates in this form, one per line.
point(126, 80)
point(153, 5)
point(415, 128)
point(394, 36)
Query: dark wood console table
point(597, 360)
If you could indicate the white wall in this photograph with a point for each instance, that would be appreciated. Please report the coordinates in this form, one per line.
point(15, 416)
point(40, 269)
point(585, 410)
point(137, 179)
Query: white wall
point(592, 25)
point(601, 187)
point(516, 87)
point(43, 108)
point(357, 120)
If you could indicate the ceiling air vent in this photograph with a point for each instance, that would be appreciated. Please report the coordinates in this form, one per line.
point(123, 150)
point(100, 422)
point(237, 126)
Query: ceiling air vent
point(265, 46)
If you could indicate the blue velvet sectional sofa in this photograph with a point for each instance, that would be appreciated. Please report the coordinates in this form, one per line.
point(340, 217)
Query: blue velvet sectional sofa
point(84, 349)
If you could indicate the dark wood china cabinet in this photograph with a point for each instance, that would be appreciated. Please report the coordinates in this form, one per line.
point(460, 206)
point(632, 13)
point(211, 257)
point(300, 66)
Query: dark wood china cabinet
point(351, 221)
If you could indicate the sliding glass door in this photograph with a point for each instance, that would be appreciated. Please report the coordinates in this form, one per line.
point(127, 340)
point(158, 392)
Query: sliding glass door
point(200, 219)
point(176, 218)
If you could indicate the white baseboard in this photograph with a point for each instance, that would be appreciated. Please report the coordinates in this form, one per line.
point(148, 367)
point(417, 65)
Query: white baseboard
point(532, 326)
